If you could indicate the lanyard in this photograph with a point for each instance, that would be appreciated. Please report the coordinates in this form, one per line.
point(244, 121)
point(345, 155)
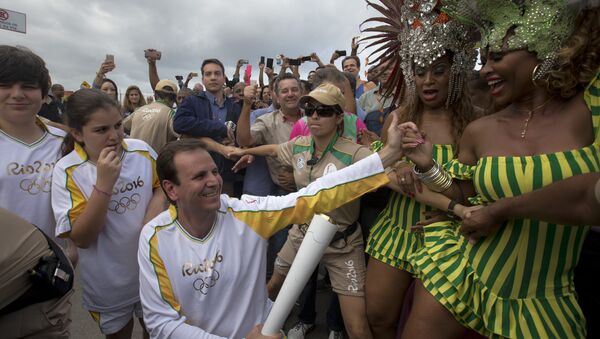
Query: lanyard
point(312, 152)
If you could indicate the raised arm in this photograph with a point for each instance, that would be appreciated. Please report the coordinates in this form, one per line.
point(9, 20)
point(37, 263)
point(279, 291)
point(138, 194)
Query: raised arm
point(243, 135)
point(152, 70)
point(105, 67)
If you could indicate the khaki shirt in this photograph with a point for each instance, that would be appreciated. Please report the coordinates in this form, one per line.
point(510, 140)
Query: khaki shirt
point(272, 128)
point(21, 247)
point(152, 123)
point(298, 152)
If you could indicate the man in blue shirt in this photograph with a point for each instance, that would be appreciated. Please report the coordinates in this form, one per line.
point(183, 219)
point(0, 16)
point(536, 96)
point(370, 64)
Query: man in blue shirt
point(205, 114)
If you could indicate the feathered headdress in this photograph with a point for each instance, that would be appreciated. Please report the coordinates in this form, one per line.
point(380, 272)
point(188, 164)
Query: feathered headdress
point(416, 33)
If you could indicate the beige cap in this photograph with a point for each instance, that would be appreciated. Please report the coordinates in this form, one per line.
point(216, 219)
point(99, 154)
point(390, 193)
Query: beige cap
point(326, 94)
point(166, 83)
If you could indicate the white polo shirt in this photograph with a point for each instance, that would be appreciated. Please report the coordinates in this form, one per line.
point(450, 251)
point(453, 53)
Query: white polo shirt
point(108, 267)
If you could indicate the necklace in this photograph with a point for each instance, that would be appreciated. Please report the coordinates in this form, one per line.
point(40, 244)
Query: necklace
point(530, 115)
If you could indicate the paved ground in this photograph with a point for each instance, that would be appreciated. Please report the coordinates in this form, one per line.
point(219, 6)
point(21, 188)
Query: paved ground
point(84, 327)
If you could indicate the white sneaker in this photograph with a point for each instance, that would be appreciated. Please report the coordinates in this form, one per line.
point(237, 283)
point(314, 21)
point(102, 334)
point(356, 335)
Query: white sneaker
point(300, 330)
point(336, 335)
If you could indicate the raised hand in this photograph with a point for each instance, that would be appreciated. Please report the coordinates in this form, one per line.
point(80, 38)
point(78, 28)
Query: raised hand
point(108, 169)
point(250, 94)
point(416, 147)
point(106, 67)
point(242, 163)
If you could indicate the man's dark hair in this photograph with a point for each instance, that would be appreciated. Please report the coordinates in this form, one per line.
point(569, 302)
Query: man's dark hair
point(212, 61)
point(328, 74)
point(165, 165)
point(19, 64)
point(351, 57)
point(285, 76)
point(166, 95)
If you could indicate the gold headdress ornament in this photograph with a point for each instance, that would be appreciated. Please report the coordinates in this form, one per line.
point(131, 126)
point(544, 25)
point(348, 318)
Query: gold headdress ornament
point(416, 33)
point(539, 26)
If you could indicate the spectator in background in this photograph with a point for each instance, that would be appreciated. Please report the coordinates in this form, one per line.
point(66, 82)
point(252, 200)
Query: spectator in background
point(110, 88)
point(351, 64)
point(103, 83)
point(238, 93)
point(153, 122)
point(205, 114)
point(182, 94)
point(58, 92)
point(132, 100)
point(50, 109)
point(198, 88)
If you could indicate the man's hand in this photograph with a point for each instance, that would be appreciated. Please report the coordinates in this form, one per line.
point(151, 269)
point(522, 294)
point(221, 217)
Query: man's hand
point(151, 58)
point(235, 153)
point(250, 94)
point(239, 64)
point(479, 222)
point(242, 163)
point(355, 43)
point(334, 57)
point(255, 333)
point(190, 76)
point(314, 57)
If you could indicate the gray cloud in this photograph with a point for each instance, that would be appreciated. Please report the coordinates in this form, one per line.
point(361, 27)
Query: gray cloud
point(74, 36)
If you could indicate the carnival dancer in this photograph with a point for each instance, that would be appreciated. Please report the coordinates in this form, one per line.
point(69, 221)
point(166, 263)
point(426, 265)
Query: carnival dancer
point(436, 56)
point(542, 64)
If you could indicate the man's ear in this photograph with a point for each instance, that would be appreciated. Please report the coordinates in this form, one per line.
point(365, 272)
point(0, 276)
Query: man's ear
point(169, 189)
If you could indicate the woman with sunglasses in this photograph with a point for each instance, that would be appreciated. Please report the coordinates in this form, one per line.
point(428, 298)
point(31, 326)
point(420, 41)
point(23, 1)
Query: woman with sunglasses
point(325, 151)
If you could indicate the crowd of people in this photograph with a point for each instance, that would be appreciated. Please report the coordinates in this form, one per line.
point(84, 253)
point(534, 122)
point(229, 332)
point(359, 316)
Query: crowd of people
point(465, 200)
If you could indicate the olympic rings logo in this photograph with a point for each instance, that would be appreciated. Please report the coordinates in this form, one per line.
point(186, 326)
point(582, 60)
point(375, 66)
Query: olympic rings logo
point(202, 285)
point(124, 204)
point(35, 186)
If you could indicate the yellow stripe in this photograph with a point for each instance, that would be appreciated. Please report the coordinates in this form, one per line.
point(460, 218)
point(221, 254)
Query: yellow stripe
point(78, 201)
point(164, 283)
point(146, 154)
point(80, 151)
point(95, 316)
point(267, 223)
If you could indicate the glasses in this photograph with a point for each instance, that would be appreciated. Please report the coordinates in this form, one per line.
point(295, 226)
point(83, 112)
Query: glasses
point(322, 111)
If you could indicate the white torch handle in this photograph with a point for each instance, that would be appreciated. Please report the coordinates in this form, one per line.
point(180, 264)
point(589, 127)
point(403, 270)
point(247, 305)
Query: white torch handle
point(317, 238)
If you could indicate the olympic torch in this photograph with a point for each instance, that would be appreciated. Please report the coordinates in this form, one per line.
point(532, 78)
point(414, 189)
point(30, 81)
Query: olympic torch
point(317, 238)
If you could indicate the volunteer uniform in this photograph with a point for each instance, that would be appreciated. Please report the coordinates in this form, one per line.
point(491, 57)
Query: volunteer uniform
point(344, 258)
point(27, 176)
point(152, 123)
point(215, 287)
point(108, 268)
point(272, 128)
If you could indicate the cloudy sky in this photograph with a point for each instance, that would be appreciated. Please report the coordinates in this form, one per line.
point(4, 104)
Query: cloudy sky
point(73, 37)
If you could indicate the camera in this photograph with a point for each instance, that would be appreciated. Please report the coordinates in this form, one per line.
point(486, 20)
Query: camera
point(179, 77)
